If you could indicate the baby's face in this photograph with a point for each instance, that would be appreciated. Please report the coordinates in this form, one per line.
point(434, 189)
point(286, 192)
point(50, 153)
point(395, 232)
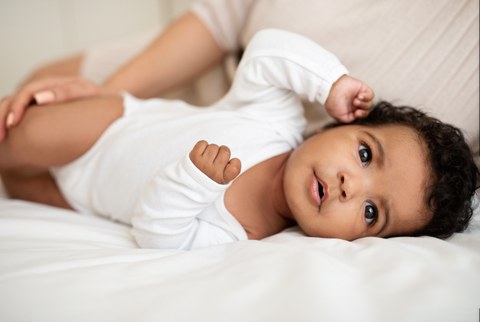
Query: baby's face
point(355, 181)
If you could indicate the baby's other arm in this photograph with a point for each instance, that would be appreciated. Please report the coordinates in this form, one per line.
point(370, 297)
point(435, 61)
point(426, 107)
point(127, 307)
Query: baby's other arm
point(168, 213)
point(214, 161)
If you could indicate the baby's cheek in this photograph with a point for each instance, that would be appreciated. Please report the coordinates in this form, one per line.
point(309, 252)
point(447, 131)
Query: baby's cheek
point(341, 220)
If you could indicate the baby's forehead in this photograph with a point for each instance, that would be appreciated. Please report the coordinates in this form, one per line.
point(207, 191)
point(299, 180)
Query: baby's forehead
point(392, 127)
point(397, 133)
point(405, 141)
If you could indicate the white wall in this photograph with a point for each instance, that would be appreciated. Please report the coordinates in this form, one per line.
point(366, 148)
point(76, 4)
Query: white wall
point(37, 31)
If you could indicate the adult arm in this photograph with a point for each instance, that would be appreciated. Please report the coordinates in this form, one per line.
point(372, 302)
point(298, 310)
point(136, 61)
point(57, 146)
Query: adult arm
point(184, 50)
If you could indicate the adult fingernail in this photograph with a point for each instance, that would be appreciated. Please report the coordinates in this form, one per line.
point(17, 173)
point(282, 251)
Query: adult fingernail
point(9, 121)
point(44, 97)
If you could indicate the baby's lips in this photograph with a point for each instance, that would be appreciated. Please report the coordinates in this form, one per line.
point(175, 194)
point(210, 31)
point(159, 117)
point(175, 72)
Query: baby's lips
point(325, 190)
point(318, 190)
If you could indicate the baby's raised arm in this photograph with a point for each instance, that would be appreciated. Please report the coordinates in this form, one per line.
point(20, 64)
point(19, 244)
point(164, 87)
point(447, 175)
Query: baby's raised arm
point(278, 67)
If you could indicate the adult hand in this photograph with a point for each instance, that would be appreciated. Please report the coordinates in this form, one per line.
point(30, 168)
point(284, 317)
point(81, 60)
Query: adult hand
point(349, 99)
point(42, 92)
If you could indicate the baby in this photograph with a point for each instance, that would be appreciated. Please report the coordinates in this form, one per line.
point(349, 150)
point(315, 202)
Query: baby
point(396, 172)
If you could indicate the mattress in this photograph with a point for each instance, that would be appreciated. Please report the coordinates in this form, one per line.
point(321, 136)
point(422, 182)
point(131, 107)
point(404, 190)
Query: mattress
point(58, 265)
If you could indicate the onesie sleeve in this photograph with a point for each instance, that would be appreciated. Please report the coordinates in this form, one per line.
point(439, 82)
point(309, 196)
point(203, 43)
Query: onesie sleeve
point(167, 214)
point(225, 19)
point(277, 64)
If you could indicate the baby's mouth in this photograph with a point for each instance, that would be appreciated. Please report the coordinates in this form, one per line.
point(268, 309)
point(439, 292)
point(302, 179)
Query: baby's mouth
point(317, 190)
point(320, 190)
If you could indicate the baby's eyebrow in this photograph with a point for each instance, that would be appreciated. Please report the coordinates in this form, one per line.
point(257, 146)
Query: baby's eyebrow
point(378, 145)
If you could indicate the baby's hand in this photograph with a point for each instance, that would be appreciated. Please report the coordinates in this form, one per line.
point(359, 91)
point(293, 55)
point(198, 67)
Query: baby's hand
point(215, 162)
point(349, 99)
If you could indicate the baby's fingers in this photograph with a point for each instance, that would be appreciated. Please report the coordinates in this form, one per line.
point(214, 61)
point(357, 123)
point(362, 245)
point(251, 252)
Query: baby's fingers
point(359, 103)
point(211, 153)
point(360, 114)
point(232, 170)
point(203, 156)
point(365, 95)
point(197, 151)
point(227, 169)
point(214, 161)
point(363, 102)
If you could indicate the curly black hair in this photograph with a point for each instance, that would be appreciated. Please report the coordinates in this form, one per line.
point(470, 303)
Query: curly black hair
point(454, 173)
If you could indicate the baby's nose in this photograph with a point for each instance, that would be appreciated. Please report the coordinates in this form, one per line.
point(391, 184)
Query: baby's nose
point(351, 186)
point(343, 188)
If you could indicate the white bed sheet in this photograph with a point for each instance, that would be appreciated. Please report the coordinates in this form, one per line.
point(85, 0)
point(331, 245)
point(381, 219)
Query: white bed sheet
point(56, 265)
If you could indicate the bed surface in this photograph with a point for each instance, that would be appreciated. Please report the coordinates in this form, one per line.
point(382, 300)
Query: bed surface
point(57, 265)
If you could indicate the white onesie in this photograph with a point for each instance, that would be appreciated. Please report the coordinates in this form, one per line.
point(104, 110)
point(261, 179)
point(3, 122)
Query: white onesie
point(139, 172)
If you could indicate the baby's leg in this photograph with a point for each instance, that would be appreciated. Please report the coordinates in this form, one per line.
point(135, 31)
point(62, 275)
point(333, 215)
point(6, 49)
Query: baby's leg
point(57, 134)
point(39, 187)
point(49, 136)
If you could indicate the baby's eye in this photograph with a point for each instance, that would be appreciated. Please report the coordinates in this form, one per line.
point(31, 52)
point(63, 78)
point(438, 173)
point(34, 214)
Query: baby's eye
point(371, 213)
point(365, 154)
